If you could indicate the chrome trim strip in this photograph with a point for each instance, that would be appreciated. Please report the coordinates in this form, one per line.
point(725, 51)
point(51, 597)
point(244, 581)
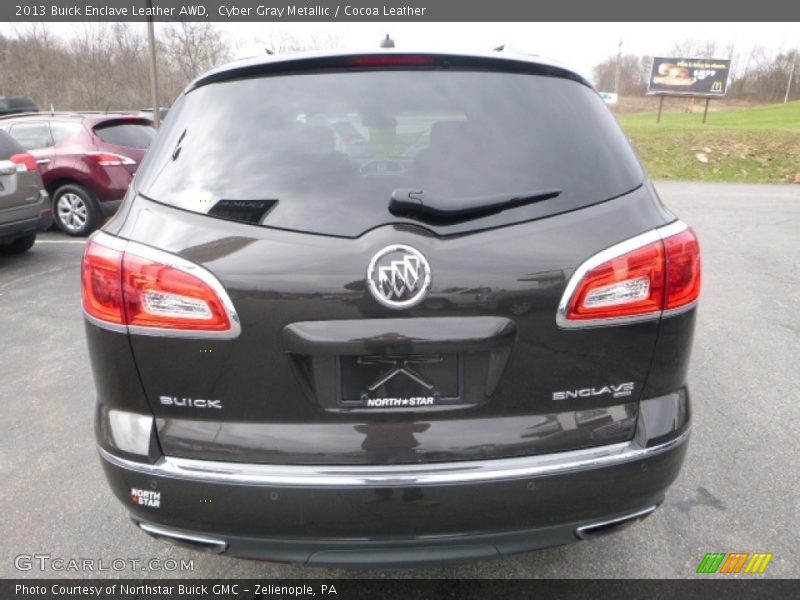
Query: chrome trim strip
point(673, 228)
point(177, 262)
point(583, 534)
point(212, 544)
point(357, 476)
point(671, 312)
point(109, 241)
point(105, 324)
point(624, 247)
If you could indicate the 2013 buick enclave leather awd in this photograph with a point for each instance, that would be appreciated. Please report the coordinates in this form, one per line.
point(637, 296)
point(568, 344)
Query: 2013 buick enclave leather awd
point(390, 308)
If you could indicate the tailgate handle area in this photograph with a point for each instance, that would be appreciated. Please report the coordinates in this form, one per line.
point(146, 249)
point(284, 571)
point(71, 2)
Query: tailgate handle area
point(402, 336)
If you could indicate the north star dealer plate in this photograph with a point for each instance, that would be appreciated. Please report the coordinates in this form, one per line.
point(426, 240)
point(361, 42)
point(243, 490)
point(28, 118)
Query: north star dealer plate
point(399, 381)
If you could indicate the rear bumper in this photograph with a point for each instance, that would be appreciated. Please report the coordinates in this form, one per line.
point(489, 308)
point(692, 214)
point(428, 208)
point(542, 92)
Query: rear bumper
point(109, 207)
point(17, 229)
point(408, 514)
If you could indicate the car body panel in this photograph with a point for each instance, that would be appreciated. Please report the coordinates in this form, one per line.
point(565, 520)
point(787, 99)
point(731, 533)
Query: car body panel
point(265, 441)
point(260, 385)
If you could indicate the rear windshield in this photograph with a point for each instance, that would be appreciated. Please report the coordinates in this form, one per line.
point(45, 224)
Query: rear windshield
point(324, 152)
point(132, 135)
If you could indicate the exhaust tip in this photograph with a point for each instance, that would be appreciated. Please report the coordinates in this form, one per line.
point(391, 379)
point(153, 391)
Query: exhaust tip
point(601, 528)
point(186, 540)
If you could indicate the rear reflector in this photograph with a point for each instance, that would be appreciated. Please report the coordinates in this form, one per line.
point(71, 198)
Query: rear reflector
point(639, 279)
point(390, 60)
point(127, 286)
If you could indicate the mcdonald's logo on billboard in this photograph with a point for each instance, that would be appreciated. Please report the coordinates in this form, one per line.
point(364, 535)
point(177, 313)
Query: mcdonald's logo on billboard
point(734, 562)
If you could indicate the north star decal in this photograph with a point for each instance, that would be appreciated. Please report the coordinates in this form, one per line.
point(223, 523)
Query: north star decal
point(190, 402)
point(392, 402)
point(617, 391)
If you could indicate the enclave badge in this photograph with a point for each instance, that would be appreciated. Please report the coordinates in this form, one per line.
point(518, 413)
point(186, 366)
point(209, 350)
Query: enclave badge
point(399, 276)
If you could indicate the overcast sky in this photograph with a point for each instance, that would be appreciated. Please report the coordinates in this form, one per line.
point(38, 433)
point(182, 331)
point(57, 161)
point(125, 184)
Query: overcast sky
point(577, 45)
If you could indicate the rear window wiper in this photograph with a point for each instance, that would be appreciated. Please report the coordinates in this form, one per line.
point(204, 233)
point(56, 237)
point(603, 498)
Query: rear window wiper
point(430, 208)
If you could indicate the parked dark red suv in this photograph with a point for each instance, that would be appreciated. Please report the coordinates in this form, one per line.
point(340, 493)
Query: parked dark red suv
point(87, 161)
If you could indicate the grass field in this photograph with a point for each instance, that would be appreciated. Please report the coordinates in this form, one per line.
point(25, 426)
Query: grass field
point(755, 145)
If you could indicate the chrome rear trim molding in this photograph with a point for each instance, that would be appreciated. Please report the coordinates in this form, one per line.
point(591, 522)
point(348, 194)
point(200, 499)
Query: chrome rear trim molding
point(358, 476)
point(587, 531)
point(197, 542)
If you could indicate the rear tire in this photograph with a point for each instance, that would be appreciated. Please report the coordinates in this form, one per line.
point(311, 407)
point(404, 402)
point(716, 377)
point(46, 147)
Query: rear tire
point(75, 210)
point(19, 245)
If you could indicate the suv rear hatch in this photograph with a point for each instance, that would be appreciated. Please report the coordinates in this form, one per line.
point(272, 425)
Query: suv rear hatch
point(279, 180)
point(129, 136)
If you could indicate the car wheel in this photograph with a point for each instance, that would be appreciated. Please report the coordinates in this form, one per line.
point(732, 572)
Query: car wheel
point(19, 245)
point(75, 210)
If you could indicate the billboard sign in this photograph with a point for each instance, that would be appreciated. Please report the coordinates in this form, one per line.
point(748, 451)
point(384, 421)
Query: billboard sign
point(689, 76)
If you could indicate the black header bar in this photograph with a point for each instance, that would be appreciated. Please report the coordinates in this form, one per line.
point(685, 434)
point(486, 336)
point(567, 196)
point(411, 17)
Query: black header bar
point(397, 10)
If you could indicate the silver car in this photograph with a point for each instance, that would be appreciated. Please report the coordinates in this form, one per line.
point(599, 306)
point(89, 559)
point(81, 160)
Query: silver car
point(24, 203)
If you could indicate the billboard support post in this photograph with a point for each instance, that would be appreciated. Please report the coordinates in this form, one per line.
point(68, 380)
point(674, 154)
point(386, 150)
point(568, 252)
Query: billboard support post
point(660, 106)
point(705, 111)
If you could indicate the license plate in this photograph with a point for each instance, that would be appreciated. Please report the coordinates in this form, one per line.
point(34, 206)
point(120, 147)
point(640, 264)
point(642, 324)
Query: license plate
point(400, 381)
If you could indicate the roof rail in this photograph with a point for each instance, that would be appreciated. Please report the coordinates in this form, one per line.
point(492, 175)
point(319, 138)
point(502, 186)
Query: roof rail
point(70, 113)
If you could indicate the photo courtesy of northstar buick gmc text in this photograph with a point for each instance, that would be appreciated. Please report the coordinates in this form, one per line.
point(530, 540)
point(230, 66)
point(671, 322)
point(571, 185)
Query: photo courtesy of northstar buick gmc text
point(390, 308)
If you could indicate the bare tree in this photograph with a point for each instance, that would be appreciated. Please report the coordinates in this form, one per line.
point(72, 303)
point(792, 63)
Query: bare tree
point(194, 47)
point(278, 41)
point(633, 72)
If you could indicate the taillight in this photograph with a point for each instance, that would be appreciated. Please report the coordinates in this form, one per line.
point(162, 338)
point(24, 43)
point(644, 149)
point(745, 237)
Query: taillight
point(390, 60)
point(683, 269)
point(24, 162)
point(110, 159)
point(151, 292)
point(101, 281)
point(160, 295)
point(639, 279)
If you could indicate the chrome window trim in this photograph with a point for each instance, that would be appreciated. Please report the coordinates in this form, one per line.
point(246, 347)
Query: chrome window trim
point(623, 247)
point(357, 476)
point(177, 262)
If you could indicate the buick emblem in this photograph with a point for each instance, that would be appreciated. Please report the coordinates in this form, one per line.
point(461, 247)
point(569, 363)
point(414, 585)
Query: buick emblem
point(399, 276)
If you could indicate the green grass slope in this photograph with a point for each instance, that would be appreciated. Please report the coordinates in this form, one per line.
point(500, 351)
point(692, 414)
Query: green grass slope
point(755, 145)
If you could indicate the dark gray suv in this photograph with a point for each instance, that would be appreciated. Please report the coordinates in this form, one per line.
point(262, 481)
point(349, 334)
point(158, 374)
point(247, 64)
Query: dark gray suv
point(24, 203)
point(390, 308)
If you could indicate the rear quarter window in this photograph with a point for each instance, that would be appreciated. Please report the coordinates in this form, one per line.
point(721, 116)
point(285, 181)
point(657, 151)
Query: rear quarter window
point(32, 136)
point(326, 150)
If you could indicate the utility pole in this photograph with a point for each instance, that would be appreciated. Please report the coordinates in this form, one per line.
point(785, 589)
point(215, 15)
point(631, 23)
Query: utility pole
point(791, 76)
point(616, 68)
point(151, 39)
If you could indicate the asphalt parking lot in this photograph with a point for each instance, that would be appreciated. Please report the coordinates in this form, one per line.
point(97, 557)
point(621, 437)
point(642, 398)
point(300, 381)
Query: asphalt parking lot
point(738, 491)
